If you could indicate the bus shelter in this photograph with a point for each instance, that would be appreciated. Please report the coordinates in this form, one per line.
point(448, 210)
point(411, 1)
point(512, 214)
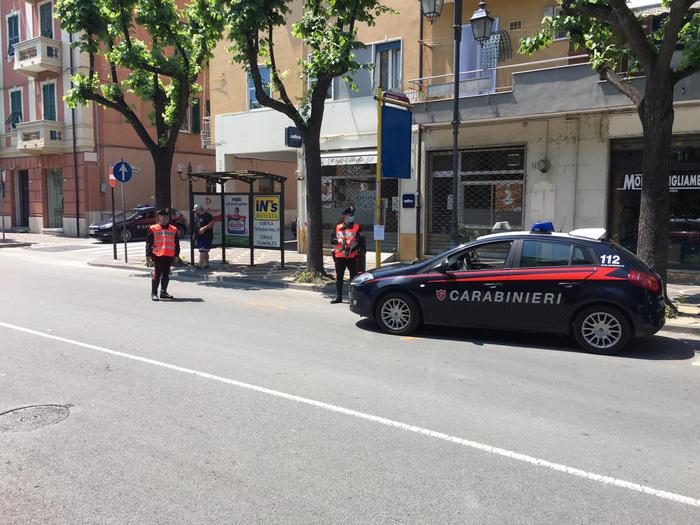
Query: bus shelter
point(251, 219)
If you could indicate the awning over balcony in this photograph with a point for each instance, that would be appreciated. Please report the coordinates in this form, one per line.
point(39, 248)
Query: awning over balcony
point(348, 158)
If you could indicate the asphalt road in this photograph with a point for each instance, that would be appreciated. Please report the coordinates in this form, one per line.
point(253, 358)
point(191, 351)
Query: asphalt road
point(268, 406)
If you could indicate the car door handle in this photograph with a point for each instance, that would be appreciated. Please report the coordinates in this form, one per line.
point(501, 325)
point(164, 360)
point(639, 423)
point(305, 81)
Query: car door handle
point(569, 284)
point(493, 285)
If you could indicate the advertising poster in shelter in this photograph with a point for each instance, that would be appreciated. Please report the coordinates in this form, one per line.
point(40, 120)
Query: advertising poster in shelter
point(267, 228)
point(237, 220)
point(212, 204)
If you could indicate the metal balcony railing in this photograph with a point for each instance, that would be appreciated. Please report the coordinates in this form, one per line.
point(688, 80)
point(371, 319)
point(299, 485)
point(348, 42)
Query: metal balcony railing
point(484, 81)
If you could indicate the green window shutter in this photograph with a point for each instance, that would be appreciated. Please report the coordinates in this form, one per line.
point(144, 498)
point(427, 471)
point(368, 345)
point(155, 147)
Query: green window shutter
point(46, 19)
point(196, 116)
point(48, 92)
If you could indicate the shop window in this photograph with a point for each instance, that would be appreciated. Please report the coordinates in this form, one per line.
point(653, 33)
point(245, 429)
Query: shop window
point(684, 188)
point(491, 194)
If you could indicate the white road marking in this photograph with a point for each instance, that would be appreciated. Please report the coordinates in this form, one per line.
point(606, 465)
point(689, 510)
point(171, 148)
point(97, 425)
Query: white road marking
point(606, 480)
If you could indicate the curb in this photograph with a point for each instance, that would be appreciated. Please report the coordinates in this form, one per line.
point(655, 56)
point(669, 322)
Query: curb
point(682, 329)
point(232, 281)
point(15, 244)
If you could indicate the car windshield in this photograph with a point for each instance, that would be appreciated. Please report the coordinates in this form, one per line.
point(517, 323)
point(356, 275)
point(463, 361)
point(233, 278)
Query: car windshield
point(130, 214)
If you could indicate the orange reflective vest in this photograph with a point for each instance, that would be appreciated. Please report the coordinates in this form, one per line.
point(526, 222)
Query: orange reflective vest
point(163, 240)
point(346, 236)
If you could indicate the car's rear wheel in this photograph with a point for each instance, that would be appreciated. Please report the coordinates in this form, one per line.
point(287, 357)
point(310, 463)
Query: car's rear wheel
point(125, 235)
point(602, 330)
point(180, 231)
point(398, 313)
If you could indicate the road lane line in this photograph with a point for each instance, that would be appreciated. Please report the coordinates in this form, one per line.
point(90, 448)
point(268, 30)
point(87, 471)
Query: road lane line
point(524, 458)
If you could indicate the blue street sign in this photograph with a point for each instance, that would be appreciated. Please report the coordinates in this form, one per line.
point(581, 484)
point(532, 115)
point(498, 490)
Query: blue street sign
point(122, 171)
point(409, 200)
point(396, 143)
point(292, 137)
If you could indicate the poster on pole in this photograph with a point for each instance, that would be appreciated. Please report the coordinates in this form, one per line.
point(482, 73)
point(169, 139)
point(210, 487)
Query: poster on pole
point(237, 220)
point(267, 226)
point(211, 202)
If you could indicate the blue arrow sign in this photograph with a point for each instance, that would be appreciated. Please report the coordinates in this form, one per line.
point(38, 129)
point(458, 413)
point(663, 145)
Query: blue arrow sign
point(122, 171)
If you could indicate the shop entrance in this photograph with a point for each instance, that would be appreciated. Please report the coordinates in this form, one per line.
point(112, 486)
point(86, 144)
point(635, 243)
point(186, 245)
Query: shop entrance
point(491, 190)
point(54, 197)
point(355, 185)
point(684, 186)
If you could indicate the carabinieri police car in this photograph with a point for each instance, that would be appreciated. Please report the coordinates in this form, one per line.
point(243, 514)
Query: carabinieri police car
point(578, 283)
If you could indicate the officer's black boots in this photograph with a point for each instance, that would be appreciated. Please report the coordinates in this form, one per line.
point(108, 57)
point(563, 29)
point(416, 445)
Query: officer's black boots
point(338, 293)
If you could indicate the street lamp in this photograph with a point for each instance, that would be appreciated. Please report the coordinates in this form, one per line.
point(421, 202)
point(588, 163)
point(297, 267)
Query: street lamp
point(432, 9)
point(482, 25)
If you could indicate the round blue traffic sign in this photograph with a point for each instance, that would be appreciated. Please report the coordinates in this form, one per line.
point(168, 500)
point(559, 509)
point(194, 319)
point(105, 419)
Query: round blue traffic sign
point(122, 171)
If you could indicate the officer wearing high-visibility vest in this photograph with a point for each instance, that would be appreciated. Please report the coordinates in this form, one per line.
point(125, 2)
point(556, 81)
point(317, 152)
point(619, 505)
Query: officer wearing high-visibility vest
point(162, 246)
point(345, 241)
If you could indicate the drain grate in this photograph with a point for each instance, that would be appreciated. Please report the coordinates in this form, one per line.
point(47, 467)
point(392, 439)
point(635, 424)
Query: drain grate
point(26, 419)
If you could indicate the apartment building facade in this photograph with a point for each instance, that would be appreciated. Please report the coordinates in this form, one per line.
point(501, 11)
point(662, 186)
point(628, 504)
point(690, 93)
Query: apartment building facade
point(36, 142)
point(542, 137)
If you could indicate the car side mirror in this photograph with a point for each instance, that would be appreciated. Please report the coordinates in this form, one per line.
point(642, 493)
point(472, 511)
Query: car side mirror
point(444, 266)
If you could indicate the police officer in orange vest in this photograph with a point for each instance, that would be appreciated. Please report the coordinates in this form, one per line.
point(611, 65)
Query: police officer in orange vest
point(345, 240)
point(162, 245)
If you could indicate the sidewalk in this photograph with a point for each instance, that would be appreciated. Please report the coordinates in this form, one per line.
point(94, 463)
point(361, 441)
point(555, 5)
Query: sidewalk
point(237, 270)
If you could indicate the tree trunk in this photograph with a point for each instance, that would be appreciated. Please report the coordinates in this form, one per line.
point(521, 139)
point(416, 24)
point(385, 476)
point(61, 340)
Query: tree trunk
point(163, 162)
point(312, 149)
point(656, 114)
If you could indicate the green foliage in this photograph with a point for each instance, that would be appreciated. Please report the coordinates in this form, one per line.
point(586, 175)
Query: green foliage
point(327, 29)
point(161, 47)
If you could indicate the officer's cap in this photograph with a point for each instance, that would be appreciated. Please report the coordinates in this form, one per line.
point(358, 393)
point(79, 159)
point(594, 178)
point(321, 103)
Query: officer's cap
point(164, 211)
point(349, 211)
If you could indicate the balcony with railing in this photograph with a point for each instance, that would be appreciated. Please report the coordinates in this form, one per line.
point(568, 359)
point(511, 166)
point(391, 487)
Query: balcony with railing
point(485, 81)
point(40, 137)
point(38, 55)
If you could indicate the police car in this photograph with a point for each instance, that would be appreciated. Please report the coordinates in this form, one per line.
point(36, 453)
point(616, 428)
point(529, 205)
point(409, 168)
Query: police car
point(578, 283)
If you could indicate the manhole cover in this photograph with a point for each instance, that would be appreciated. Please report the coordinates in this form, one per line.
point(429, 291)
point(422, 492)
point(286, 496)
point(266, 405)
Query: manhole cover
point(30, 418)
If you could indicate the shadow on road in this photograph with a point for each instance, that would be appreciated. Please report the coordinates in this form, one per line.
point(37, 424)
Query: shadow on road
point(184, 300)
point(659, 347)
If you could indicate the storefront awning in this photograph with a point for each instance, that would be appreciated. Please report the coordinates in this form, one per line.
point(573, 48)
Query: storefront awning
point(348, 158)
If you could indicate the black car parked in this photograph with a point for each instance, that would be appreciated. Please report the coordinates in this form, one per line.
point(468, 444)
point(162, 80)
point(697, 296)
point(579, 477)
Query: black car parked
point(541, 281)
point(137, 222)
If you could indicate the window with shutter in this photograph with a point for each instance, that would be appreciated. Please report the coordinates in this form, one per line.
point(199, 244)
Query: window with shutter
point(15, 108)
point(12, 33)
point(196, 117)
point(46, 19)
point(48, 92)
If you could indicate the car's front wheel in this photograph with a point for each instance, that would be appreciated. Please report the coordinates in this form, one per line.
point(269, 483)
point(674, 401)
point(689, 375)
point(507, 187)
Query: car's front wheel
point(398, 313)
point(180, 231)
point(602, 330)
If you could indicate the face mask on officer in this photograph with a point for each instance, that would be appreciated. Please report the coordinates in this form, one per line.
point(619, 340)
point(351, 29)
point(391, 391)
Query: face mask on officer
point(349, 219)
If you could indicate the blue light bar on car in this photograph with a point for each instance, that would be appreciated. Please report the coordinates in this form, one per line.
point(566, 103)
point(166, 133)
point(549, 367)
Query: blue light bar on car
point(542, 227)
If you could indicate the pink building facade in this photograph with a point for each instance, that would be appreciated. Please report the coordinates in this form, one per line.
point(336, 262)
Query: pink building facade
point(36, 142)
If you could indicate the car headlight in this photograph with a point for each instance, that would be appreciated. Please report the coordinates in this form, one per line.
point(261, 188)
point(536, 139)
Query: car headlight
point(362, 278)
